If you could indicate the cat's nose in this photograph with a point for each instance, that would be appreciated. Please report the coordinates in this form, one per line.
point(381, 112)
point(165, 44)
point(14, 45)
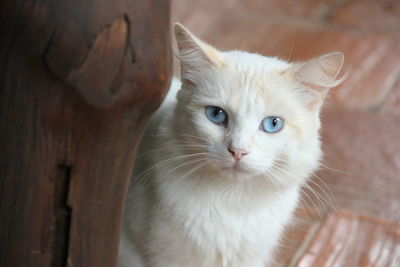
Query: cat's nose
point(237, 153)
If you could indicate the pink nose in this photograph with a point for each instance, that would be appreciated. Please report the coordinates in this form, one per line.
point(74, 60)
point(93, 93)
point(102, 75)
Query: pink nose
point(237, 153)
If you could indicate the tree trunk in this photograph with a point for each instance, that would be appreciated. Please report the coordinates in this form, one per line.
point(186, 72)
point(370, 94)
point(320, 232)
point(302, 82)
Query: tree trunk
point(79, 80)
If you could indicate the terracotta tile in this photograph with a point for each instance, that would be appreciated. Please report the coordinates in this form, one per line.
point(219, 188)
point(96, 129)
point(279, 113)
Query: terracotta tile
point(392, 102)
point(306, 9)
point(306, 222)
point(375, 67)
point(199, 16)
point(364, 150)
point(370, 15)
point(347, 239)
point(181, 10)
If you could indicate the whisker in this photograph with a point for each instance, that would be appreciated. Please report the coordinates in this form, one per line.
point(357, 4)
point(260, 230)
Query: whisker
point(271, 178)
point(313, 203)
point(168, 160)
point(323, 166)
point(327, 192)
point(279, 178)
point(329, 203)
point(193, 170)
point(196, 137)
point(323, 202)
point(185, 164)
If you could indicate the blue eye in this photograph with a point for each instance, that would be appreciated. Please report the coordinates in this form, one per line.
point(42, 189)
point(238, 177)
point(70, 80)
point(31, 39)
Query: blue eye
point(217, 115)
point(272, 124)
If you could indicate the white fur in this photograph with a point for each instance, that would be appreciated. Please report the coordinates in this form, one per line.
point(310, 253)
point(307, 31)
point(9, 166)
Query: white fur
point(188, 205)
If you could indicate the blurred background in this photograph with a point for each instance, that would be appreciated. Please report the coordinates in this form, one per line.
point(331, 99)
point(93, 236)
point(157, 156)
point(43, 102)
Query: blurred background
point(360, 178)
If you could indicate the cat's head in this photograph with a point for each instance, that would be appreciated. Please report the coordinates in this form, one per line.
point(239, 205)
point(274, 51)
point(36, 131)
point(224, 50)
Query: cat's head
point(248, 115)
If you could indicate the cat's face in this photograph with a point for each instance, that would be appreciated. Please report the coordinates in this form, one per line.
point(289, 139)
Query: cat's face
point(248, 115)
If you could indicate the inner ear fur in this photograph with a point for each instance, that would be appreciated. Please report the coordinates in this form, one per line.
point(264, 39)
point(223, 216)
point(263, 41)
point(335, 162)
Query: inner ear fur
point(194, 54)
point(316, 76)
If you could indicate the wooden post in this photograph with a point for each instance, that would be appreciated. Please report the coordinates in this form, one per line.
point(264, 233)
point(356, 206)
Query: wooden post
point(79, 80)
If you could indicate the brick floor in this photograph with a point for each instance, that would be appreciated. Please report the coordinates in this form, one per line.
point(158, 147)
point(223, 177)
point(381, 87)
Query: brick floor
point(391, 105)
point(369, 15)
point(365, 147)
point(353, 240)
point(361, 133)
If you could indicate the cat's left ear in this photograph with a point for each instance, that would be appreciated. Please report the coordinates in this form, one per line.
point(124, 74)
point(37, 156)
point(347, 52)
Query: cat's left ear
point(316, 76)
point(195, 55)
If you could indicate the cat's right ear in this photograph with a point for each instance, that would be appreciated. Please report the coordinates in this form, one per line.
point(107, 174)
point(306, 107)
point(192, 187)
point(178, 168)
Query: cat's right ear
point(195, 55)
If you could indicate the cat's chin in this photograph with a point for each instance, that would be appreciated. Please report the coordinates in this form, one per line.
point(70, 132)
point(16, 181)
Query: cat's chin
point(238, 170)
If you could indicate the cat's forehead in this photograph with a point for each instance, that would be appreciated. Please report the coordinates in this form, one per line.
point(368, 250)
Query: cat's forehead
point(251, 76)
point(250, 84)
point(250, 73)
point(250, 62)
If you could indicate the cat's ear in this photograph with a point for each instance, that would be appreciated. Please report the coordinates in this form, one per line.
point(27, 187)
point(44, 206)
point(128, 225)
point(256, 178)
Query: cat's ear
point(316, 76)
point(195, 55)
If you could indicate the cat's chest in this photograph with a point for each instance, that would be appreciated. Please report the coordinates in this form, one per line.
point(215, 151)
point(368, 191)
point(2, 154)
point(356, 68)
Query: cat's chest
point(210, 220)
point(229, 227)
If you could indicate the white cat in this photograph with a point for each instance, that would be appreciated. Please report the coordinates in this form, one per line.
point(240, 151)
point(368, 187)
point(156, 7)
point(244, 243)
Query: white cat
point(221, 165)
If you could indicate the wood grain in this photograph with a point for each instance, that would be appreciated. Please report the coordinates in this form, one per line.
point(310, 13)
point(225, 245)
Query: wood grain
point(79, 81)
